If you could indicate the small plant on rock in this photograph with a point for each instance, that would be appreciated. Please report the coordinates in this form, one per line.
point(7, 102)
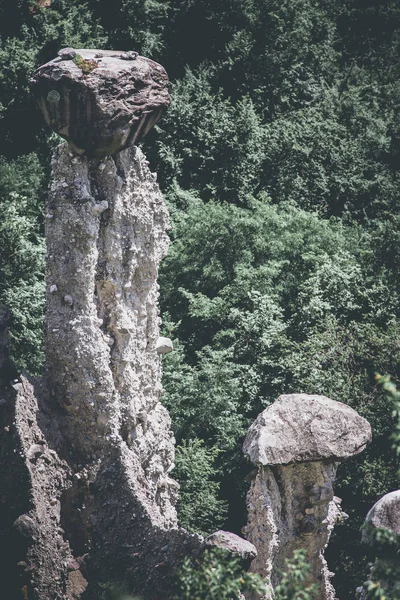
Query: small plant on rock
point(85, 64)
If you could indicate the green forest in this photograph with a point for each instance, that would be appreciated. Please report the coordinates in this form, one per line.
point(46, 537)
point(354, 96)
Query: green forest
point(278, 160)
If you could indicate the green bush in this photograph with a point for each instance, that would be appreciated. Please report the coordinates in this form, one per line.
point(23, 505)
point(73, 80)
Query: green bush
point(216, 575)
point(293, 580)
point(199, 507)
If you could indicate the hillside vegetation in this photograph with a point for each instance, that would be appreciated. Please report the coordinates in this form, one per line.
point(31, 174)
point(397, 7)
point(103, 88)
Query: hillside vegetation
point(279, 163)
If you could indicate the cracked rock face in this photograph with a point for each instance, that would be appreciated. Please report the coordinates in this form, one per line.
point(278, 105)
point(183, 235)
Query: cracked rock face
point(101, 101)
point(86, 497)
point(105, 231)
point(297, 444)
point(35, 553)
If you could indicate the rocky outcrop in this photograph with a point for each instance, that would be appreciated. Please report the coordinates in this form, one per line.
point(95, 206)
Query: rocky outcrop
point(37, 559)
point(90, 446)
point(232, 543)
point(297, 444)
point(101, 101)
point(105, 232)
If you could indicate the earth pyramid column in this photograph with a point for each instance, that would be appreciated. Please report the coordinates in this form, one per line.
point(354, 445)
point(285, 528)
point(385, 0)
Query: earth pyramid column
point(297, 444)
point(90, 503)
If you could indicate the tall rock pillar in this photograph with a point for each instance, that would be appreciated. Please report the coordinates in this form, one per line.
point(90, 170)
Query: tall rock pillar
point(92, 440)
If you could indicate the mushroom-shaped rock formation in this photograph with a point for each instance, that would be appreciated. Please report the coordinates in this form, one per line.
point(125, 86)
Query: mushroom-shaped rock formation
point(385, 514)
point(101, 102)
point(297, 443)
point(85, 489)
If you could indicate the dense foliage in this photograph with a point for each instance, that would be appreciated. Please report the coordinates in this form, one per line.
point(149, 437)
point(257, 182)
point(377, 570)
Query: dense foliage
point(216, 575)
point(279, 161)
point(293, 584)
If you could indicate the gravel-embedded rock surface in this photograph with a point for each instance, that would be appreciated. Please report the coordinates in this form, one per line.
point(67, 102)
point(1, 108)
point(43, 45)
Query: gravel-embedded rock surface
point(232, 543)
point(35, 552)
point(303, 427)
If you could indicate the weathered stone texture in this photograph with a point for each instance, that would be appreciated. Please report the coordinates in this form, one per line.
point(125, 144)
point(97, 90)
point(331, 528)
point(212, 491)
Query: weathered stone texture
point(291, 507)
point(232, 543)
point(36, 558)
point(85, 489)
point(92, 486)
point(48, 560)
point(303, 427)
point(105, 230)
point(297, 443)
point(106, 224)
point(101, 101)
point(385, 514)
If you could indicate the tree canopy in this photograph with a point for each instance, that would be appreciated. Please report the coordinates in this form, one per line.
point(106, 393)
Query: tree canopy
point(279, 162)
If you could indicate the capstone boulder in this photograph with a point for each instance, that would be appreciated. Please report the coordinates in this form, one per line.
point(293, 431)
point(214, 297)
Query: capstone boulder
point(304, 428)
point(101, 101)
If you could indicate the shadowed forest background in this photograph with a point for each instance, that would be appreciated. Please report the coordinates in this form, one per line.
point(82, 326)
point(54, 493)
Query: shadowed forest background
point(279, 163)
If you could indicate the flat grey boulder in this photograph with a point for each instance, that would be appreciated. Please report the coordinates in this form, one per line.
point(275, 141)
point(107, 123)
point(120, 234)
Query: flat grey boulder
point(303, 428)
point(164, 345)
point(385, 514)
point(232, 543)
point(101, 102)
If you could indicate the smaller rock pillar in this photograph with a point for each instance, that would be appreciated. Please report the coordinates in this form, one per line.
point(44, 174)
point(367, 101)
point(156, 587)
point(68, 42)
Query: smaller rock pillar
point(297, 443)
point(385, 514)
